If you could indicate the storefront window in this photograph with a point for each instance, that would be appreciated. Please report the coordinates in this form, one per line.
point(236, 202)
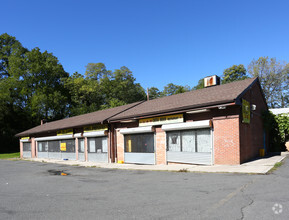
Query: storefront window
point(81, 145)
point(53, 146)
point(189, 141)
point(97, 145)
point(70, 145)
point(42, 146)
point(139, 143)
point(26, 146)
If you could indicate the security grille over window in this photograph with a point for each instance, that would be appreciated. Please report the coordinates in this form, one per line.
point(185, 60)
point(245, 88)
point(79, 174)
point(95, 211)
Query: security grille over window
point(26, 149)
point(81, 145)
point(190, 146)
point(26, 146)
point(97, 145)
point(42, 146)
point(97, 149)
point(53, 146)
point(57, 149)
point(70, 145)
point(189, 141)
point(140, 143)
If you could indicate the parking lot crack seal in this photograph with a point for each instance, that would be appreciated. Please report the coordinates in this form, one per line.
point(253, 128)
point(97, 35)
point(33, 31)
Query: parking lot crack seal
point(246, 206)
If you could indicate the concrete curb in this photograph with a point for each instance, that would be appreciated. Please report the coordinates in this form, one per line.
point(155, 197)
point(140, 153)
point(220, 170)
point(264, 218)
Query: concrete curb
point(259, 166)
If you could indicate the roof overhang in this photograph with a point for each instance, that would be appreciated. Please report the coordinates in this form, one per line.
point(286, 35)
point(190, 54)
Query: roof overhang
point(175, 111)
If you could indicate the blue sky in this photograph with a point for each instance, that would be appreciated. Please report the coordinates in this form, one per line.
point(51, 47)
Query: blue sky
point(161, 41)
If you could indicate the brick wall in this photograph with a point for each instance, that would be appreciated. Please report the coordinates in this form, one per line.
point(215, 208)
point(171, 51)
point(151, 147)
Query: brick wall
point(226, 140)
point(252, 135)
point(160, 146)
point(120, 146)
point(21, 149)
point(33, 148)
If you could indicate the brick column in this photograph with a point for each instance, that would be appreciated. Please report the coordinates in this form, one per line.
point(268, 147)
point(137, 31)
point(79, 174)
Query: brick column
point(160, 146)
point(85, 149)
point(76, 148)
point(33, 148)
point(226, 140)
point(21, 149)
point(119, 146)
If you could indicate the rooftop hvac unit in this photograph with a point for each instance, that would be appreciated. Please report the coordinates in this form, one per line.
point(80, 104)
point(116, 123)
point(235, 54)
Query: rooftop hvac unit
point(211, 81)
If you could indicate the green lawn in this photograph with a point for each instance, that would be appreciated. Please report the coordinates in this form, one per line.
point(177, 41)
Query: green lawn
point(10, 155)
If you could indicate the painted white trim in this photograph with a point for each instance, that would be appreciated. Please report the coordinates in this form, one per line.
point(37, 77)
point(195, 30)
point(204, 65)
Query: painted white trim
point(60, 137)
point(137, 130)
point(187, 125)
point(25, 140)
point(77, 135)
point(95, 134)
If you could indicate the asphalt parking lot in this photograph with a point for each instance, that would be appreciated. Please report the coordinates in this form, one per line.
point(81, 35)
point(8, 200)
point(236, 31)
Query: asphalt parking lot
point(34, 190)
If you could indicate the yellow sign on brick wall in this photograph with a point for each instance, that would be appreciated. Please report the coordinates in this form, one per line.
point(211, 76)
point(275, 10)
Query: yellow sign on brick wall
point(161, 120)
point(98, 127)
point(246, 111)
point(65, 132)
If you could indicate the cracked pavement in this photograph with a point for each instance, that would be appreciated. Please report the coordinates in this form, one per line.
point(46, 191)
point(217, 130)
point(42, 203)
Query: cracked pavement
point(30, 190)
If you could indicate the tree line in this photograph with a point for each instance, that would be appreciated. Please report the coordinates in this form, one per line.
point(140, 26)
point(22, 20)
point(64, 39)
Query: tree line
point(34, 86)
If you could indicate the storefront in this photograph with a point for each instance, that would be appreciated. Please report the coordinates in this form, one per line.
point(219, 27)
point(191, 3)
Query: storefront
point(139, 145)
point(26, 153)
point(56, 147)
point(97, 143)
point(189, 142)
point(221, 124)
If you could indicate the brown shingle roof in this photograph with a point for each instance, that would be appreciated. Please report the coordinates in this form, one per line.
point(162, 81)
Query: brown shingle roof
point(77, 121)
point(209, 96)
point(215, 95)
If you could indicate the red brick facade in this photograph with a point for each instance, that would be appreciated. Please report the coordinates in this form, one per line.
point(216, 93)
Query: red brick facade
point(120, 146)
point(160, 146)
point(226, 140)
point(252, 135)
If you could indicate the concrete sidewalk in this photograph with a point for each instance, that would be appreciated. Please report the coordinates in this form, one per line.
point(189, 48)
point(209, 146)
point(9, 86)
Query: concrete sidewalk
point(258, 166)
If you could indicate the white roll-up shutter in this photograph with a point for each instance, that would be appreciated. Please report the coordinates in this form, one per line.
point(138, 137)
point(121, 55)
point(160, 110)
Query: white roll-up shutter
point(95, 134)
point(50, 138)
point(187, 125)
point(24, 140)
point(137, 130)
point(77, 135)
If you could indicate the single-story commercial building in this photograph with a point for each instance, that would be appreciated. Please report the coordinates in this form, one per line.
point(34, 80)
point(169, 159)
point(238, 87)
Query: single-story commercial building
point(220, 124)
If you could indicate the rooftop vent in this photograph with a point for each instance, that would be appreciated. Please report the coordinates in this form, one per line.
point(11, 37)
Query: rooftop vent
point(211, 81)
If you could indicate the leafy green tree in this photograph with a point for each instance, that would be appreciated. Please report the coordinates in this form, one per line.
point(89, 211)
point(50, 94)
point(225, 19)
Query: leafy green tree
point(121, 86)
point(12, 118)
point(101, 88)
point(274, 80)
point(172, 89)
point(154, 93)
point(9, 47)
point(85, 94)
point(39, 79)
point(96, 71)
point(234, 73)
point(200, 85)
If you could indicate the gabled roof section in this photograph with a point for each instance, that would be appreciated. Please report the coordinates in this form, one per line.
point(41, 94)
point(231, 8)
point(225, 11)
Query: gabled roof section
point(215, 95)
point(78, 121)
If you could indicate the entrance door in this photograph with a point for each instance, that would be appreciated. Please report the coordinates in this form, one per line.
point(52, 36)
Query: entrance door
point(190, 146)
point(139, 148)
